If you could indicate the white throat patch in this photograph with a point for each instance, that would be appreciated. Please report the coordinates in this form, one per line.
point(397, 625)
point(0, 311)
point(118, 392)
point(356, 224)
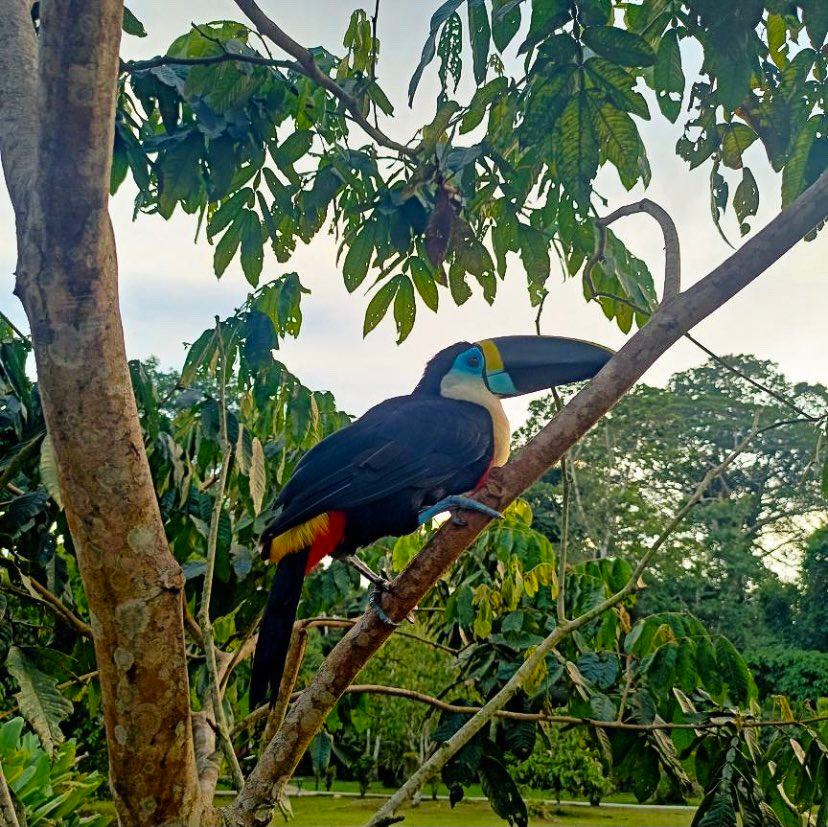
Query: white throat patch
point(473, 389)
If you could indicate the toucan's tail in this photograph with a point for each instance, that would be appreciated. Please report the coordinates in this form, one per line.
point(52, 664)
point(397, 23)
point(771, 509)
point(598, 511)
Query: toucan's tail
point(277, 627)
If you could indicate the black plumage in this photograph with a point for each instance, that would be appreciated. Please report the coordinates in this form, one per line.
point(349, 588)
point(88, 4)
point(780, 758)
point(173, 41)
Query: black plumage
point(403, 455)
point(380, 472)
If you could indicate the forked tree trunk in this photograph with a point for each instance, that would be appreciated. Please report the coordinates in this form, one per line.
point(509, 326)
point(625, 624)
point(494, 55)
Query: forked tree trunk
point(58, 176)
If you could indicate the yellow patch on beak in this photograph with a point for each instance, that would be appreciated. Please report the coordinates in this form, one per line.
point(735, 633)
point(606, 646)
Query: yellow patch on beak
point(494, 361)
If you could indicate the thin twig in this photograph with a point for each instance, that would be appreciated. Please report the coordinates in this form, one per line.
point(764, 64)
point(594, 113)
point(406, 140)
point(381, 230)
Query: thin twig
point(38, 593)
point(133, 66)
point(716, 721)
point(374, 46)
point(212, 545)
point(460, 738)
point(17, 461)
point(672, 247)
point(8, 814)
point(564, 545)
point(756, 384)
point(268, 28)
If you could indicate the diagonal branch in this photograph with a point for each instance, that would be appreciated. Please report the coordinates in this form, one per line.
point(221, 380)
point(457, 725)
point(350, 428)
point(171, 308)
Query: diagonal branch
point(447, 749)
point(664, 328)
point(284, 41)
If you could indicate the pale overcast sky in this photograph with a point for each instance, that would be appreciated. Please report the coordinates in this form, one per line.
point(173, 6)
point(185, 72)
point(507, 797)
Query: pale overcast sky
point(169, 293)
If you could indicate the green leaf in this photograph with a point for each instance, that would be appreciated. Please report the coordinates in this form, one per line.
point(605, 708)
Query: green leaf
point(259, 339)
point(424, 282)
point(460, 291)
point(132, 25)
point(358, 258)
point(200, 353)
point(294, 147)
point(534, 253)
point(49, 471)
point(228, 211)
point(227, 246)
point(547, 15)
point(734, 671)
point(795, 177)
point(505, 22)
point(480, 34)
point(503, 794)
point(480, 102)
point(618, 45)
point(815, 15)
point(777, 36)
point(825, 478)
point(430, 47)
point(618, 84)
point(746, 199)
point(405, 308)
point(257, 476)
point(252, 246)
point(735, 139)
point(668, 76)
point(578, 149)
point(39, 699)
point(320, 753)
point(450, 51)
point(621, 142)
point(378, 306)
point(179, 173)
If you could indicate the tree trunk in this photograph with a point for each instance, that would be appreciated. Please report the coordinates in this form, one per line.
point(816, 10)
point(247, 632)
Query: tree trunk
point(67, 282)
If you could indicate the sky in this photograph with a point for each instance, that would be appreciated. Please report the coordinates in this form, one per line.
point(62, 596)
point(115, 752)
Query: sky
point(169, 293)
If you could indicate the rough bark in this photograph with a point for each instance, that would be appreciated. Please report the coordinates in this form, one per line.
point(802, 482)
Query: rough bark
point(671, 321)
point(8, 814)
point(67, 282)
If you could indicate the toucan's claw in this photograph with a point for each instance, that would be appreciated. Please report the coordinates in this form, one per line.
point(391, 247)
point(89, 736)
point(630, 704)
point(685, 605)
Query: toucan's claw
point(457, 501)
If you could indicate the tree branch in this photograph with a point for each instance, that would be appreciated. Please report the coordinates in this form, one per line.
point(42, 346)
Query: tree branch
point(715, 721)
point(8, 814)
point(268, 28)
point(672, 247)
point(54, 603)
point(212, 546)
point(133, 66)
point(453, 745)
point(664, 328)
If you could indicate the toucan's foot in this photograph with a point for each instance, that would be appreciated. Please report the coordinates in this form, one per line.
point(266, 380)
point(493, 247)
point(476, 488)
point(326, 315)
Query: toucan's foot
point(457, 501)
point(374, 602)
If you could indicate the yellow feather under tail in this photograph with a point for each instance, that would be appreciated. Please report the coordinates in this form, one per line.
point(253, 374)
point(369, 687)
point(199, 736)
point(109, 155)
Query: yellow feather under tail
point(298, 537)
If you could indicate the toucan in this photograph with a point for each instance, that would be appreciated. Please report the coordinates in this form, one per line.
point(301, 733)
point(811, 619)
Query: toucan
point(399, 465)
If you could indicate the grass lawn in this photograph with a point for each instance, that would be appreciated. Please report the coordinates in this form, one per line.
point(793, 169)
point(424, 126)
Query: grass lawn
point(313, 811)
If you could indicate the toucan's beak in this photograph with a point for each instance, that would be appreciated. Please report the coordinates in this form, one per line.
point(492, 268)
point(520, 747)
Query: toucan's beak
point(524, 364)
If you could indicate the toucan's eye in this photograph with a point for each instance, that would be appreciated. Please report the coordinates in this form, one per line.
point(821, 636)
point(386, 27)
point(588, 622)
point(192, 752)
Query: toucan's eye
point(474, 361)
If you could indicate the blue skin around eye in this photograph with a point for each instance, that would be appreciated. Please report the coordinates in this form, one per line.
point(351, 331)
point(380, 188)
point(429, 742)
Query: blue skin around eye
point(498, 383)
point(461, 363)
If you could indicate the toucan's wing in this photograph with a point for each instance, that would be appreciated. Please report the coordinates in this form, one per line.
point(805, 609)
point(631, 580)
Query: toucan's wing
point(406, 442)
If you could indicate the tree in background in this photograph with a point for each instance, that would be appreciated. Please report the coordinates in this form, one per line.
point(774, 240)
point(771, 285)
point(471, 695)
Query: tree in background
point(268, 150)
point(813, 614)
point(640, 460)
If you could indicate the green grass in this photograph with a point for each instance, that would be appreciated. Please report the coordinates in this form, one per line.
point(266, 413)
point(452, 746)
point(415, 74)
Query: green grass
point(318, 811)
point(307, 784)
